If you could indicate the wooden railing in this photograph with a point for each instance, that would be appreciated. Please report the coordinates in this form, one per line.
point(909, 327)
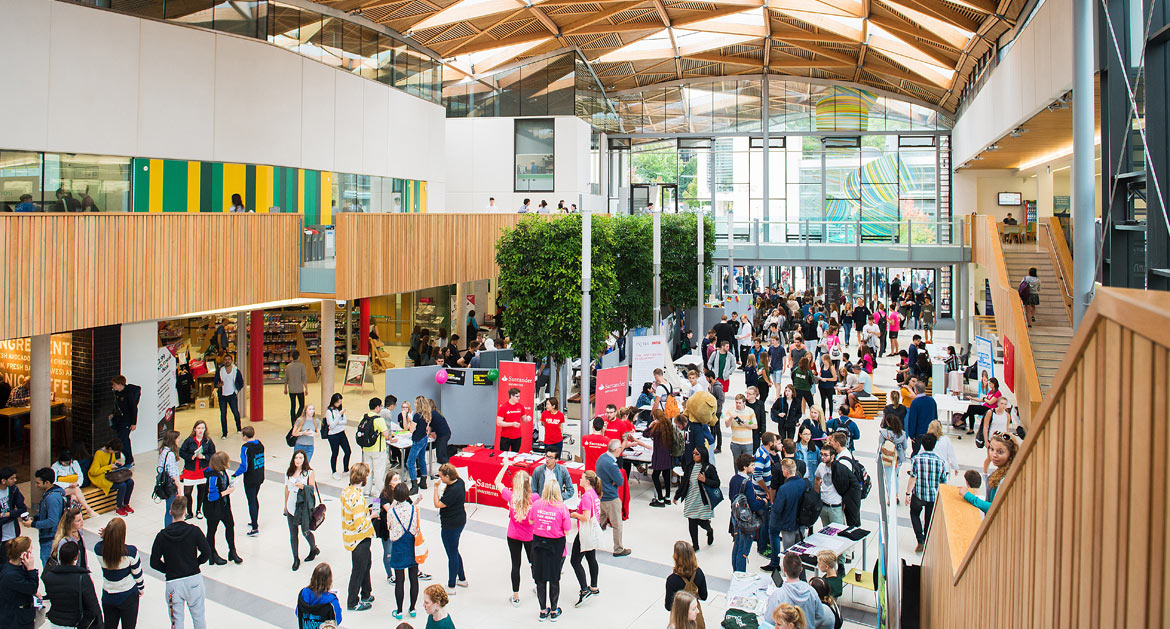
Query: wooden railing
point(1051, 238)
point(1009, 314)
point(63, 272)
point(1077, 534)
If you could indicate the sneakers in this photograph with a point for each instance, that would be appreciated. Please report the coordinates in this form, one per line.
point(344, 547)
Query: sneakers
point(554, 614)
point(422, 576)
point(543, 615)
point(515, 600)
point(582, 597)
point(657, 503)
point(129, 509)
point(253, 532)
point(121, 511)
point(461, 583)
point(450, 590)
point(368, 599)
point(918, 548)
point(413, 613)
point(363, 606)
point(337, 476)
point(397, 614)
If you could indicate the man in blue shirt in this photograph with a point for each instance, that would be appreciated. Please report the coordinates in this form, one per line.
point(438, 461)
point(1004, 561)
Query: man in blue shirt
point(927, 472)
point(782, 521)
point(611, 505)
point(923, 410)
point(52, 506)
point(25, 205)
point(776, 361)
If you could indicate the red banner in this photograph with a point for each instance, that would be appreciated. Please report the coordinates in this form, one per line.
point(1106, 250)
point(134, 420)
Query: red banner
point(1009, 364)
point(521, 376)
point(611, 388)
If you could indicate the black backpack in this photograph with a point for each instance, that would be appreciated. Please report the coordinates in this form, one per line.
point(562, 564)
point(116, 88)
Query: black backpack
point(809, 509)
point(745, 520)
point(366, 435)
point(164, 485)
point(862, 476)
point(315, 616)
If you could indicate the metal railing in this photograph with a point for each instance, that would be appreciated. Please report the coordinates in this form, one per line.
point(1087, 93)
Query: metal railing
point(904, 233)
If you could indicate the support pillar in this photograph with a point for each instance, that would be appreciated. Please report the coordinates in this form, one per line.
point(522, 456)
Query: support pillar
point(657, 222)
point(586, 310)
point(255, 400)
point(364, 326)
point(39, 429)
point(348, 329)
point(700, 225)
point(244, 365)
point(460, 314)
point(328, 349)
point(1084, 153)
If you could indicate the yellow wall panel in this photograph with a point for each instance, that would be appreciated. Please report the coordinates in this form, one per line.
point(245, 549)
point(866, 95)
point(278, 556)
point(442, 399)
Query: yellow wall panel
point(263, 188)
point(326, 198)
point(193, 186)
point(235, 181)
point(156, 185)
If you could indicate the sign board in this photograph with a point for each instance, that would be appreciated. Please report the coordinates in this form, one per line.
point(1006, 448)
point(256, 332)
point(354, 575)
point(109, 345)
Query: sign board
point(168, 394)
point(456, 377)
point(479, 378)
point(833, 288)
point(355, 370)
point(611, 388)
point(1009, 364)
point(521, 376)
point(14, 365)
point(646, 355)
point(985, 358)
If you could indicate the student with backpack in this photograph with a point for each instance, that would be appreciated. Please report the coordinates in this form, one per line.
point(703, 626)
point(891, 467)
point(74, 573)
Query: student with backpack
point(849, 477)
point(252, 469)
point(747, 506)
point(782, 523)
point(686, 576)
point(317, 604)
point(371, 436)
point(844, 424)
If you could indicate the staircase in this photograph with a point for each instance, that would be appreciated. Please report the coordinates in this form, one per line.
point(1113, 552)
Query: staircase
point(1051, 333)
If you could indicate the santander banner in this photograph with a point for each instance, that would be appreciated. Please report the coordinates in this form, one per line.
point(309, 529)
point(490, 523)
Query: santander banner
point(611, 388)
point(521, 376)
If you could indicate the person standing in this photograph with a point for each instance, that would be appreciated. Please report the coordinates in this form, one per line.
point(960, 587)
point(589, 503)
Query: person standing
point(69, 588)
point(661, 432)
point(510, 419)
point(196, 451)
point(552, 524)
point(296, 380)
point(1030, 295)
point(316, 603)
point(178, 551)
point(416, 459)
point(927, 472)
point(229, 382)
point(844, 477)
point(611, 484)
point(252, 469)
point(52, 508)
point(715, 387)
point(742, 422)
point(722, 363)
point(305, 431)
point(686, 576)
point(357, 533)
point(219, 508)
point(300, 493)
point(782, 524)
point(519, 499)
point(402, 524)
point(18, 584)
point(452, 519)
point(923, 410)
point(12, 507)
point(744, 337)
point(755, 401)
point(699, 475)
point(121, 575)
point(124, 419)
point(588, 510)
point(375, 454)
point(552, 471)
point(168, 463)
point(798, 594)
point(335, 423)
point(439, 432)
point(743, 483)
point(831, 508)
point(552, 419)
point(803, 380)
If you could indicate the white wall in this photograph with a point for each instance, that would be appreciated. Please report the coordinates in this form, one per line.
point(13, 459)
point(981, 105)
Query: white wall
point(977, 191)
point(480, 162)
point(139, 348)
point(91, 81)
point(1036, 71)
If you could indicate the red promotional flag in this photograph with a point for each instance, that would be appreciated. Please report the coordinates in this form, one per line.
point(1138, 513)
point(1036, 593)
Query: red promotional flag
point(521, 376)
point(1009, 364)
point(611, 388)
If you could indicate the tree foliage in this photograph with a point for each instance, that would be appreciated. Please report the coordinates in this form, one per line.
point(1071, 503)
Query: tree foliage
point(679, 285)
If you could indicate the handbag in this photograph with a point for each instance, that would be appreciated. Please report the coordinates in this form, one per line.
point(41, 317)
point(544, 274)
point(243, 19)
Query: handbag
point(420, 545)
point(119, 475)
point(289, 439)
point(317, 517)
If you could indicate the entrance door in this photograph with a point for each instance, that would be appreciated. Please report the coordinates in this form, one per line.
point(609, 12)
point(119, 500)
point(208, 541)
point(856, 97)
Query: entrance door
point(663, 195)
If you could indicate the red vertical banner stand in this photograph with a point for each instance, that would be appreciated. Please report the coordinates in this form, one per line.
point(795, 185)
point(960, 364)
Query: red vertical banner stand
point(521, 376)
point(256, 366)
point(364, 326)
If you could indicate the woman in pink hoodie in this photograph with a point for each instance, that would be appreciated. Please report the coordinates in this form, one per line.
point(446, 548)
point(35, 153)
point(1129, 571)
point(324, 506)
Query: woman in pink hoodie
point(548, 548)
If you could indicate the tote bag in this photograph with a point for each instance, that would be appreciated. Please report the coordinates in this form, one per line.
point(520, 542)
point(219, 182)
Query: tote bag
point(590, 535)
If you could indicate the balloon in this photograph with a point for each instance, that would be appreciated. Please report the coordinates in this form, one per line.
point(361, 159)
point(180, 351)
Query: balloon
point(493, 374)
point(441, 376)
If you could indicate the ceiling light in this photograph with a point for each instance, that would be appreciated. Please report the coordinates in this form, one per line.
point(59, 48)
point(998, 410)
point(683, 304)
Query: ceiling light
point(977, 157)
point(1018, 131)
point(993, 147)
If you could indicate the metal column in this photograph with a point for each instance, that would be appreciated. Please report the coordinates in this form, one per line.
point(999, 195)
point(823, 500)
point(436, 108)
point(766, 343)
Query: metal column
point(328, 347)
point(1083, 214)
point(764, 115)
point(586, 306)
point(700, 223)
point(657, 221)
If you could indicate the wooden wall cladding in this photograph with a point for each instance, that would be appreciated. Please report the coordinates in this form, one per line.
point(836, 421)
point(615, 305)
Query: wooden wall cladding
point(63, 272)
point(382, 254)
point(1077, 534)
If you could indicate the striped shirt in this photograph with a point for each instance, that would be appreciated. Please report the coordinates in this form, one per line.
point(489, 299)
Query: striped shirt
point(124, 579)
point(355, 517)
point(929, 472)
point(763, 470)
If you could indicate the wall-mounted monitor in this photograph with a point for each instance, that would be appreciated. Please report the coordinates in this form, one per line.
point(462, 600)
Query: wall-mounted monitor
point(1010, 198)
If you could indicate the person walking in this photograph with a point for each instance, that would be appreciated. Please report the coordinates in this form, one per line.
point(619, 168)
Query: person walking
point(831, 502)
point(69, 589)
point(611, 484)
point(18, 584)
point(122, 582)
point(52, 508)
point(305, 430)
point(803, 379)
point(923, 410)
point(403, 527)
point(252, 469)
point(587, 514)
point(742, 422)
point(685, 577)
point(335, 424)
point(844, 477)
point(927, 472)
point(357, 534)
point(316, 603)
point(374, 455)
point(219, 508)
point(552, 524)
point(228, 383)
point(743, 483)
point(300, 497)
point(107, 459)
point(168, 465)
point(661, 433)
point(435, 602)
point(124, 419)
point(296, 382)
point(722, 363)
point(786, 413)
point(452, 519)
point(1030, 294)
point(892, 431)
point(699, 476)
point(827, 382)
point(177, 552)
point(519, 499)
point(196, 451)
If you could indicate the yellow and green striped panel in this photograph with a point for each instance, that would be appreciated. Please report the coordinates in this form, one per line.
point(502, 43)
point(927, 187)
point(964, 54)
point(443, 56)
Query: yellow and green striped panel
point(844, 109)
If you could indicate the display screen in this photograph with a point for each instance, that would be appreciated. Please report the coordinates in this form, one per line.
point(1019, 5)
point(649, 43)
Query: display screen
point(1010, 198)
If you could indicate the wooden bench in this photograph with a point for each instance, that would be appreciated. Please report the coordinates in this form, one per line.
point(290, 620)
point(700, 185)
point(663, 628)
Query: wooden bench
point(98, 501)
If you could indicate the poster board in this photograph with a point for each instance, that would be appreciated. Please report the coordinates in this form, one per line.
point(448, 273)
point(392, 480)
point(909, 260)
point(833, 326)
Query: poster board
point(985, 359)
point(168, 394)
point(521, 376)
point(833, 288)
point(355, 370)
point(405, 383)
point(739, 304)
point(646, 355)
point(470, 408)
point(612, 385)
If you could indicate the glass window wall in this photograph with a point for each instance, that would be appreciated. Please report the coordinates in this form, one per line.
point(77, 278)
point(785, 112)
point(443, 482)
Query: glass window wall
point(535, 141)
point(63, 183)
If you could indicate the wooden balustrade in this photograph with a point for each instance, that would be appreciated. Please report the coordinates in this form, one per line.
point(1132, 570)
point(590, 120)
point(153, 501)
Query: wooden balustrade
point(1077, 534)
point(65, 272)
point(1051, 238)
point(1009, 313)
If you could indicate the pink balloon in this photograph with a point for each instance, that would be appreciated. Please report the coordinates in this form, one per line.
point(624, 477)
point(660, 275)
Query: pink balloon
point(441, 376)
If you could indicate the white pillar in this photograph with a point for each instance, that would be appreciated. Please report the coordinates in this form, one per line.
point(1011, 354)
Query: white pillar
point(1083, 175)
point(586, 308)
point(328, 349)
point(40, 429)
point(1044, 193)
point(657, 222)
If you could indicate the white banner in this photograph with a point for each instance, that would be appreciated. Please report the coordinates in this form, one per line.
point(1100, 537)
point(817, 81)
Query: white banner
point(646, 355)
point(985, 358)
point(168, 395)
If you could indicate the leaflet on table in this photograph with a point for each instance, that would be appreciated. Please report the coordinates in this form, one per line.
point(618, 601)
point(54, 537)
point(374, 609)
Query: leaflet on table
point(749, 604)
point(824, 542)
point(574, 465)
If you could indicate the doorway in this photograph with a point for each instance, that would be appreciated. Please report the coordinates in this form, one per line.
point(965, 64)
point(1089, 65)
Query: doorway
point(663, 195)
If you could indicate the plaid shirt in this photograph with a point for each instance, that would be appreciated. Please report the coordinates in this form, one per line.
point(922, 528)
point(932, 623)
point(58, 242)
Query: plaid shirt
point(929, 472)
point(763, 466)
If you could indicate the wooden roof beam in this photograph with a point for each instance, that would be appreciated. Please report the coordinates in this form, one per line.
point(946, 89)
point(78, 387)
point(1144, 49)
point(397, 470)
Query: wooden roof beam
point(459, 47)
point(939, 10)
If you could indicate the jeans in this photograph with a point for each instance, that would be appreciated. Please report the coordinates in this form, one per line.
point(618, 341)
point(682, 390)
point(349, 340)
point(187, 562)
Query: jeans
point(845, 333)
point(764, 536)
point(293, 525)
point(186, 591)
point(739, 552)
point(123, 433)
point(338, 441)
point(359, 574)
point(295, 399)
point(226, 401)
point(575, 560)
point(740, 448)
point(167, 519)
point(917, 506)
point(124, 614)
point(454, 559)
point(416, 461)
point(124, 489)
point(46, 550)
point(386, 546)
point(781, 540)
point(308, 450)
point(252, 493)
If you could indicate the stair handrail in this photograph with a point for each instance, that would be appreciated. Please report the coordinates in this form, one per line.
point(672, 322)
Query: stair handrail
point(1061, 257)
point(1010, 322)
